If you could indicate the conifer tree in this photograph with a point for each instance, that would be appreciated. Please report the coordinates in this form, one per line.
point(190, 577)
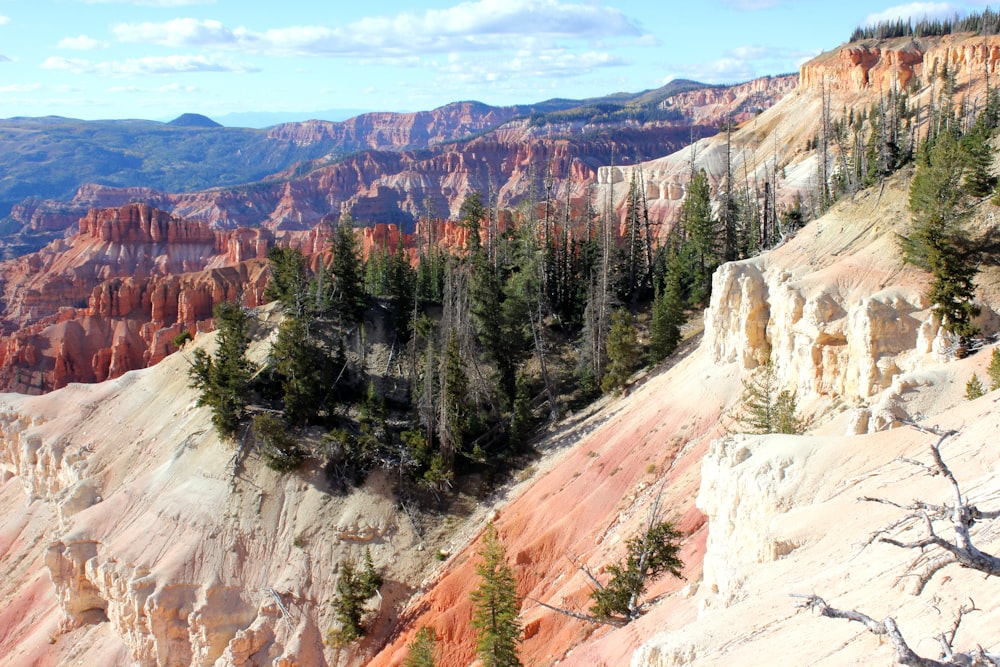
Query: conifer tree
point(648, 556)
point(289, 281)
point(355, 587)
point(974, 388)
point(623, 351)
point(993, 370)
point(421, 649)
point(224, 377)
point(495, 606)
point(349, 296)
point(701, 236)
point(454, 418)
point(765, 407)
point(939, 242)
point(667, 318)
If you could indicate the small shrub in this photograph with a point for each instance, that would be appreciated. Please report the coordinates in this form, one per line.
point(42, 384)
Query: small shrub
point(280, 451)
point(180, 339)
point(974, 388)
point(993, 370)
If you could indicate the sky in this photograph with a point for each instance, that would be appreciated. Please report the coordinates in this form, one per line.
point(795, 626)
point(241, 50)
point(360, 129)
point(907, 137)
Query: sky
point(157, 59)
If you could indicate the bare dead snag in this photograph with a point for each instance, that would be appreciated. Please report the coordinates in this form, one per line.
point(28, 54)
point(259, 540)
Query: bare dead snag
point(960, 513)
point(904, 654)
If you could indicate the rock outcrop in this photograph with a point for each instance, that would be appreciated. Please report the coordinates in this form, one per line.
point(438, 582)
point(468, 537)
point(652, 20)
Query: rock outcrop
point(899, 63)
point(112, 297)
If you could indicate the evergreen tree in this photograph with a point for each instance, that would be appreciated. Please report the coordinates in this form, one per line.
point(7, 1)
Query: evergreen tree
point(304, 368)
point(402, 291)
point(648, 556)
point(993, 370)
point(349, 296)
point(623, 351)
point(355, 587)
point(700, 232)
point(421, 649)
point(667, 318)
point(279, 450)
point(974, 388)
point(224, 378)
point(766, 408)
point(454, 413)
point(495, 605)
point(289, 281)
point(473, 213)
point(939, 242)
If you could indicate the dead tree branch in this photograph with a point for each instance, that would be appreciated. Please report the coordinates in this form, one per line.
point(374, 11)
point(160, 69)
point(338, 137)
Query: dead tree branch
point(904, 654)
point(961, 514)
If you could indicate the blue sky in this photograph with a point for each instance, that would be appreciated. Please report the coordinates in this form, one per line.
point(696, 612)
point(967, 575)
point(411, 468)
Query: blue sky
point(157, 59)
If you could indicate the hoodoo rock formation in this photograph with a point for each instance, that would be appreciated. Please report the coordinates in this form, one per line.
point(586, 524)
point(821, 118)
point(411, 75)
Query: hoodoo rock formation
point(112, 297)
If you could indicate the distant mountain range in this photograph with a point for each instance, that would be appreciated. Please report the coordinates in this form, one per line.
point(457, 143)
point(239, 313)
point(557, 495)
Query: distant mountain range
point(384, 167)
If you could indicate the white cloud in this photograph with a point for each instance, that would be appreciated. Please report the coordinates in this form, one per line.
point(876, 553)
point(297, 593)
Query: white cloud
point(547, 64)
point(20, 88)
point(467, 26)
point(178, 32)
point(742, 63)
point(80, 43)
point(915, 11)
point(177, 64)
point(4, 20)
point(168, 88)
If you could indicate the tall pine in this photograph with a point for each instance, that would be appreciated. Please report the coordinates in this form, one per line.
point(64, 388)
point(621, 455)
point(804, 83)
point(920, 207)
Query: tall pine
point(495, 606)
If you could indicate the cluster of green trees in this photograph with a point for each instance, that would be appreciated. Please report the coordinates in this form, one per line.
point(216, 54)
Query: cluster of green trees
point(471, 334)
point(985, 22)
point(953, 173)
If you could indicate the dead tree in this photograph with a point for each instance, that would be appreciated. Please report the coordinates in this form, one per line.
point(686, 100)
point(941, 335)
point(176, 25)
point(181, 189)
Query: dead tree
point(936, 553)
point(904, 654)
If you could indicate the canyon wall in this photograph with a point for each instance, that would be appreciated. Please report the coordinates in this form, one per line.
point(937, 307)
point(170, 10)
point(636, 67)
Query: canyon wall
point(902, 62)
point(112, 297)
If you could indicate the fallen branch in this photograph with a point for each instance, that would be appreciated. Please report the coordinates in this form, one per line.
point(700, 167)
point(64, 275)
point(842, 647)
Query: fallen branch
point(904, 654)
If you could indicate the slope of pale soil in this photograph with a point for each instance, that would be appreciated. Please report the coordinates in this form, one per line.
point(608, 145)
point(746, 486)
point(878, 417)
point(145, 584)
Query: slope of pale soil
point(800, 494)
point(155, 554)
point(847, 326)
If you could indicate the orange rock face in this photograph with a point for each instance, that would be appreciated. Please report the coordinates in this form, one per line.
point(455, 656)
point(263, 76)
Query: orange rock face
point(896, 63)
point(111, 298)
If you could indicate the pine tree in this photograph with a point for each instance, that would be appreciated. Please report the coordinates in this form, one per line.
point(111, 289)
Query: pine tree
point(648, 556)
point(454, 413)
point(421, 649)
point(495, 605)
point(974, 388)
point(667, 319)
point(304, 368)
point(939, 242)
point(623, 351)
point(354, 588)
point(765, 408)
point(278, 448)
point(700, 231)
point(993, 370)
point(289, 281)
point(349, 296)
point(224, 378)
